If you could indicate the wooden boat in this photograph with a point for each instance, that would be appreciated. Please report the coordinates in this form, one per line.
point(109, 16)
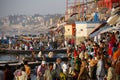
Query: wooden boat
point(37, 61)
point(6, 51)
point(8, 62)
point(14, 64)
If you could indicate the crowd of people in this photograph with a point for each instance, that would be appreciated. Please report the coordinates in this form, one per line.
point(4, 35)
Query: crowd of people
point(45, 42)
point(93, 59)
point(21, 72)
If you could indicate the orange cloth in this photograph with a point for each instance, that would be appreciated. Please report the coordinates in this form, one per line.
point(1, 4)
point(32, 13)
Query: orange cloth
point(93, 62)
point(27, 70)
point(116, 54)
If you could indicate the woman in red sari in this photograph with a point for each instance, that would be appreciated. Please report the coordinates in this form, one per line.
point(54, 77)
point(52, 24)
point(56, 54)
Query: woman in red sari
point(111, 43)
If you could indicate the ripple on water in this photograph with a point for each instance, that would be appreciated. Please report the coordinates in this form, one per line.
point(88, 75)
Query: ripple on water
point(7, 58)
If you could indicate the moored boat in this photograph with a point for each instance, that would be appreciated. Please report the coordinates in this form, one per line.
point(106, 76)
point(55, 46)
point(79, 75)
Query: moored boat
point(6, 51)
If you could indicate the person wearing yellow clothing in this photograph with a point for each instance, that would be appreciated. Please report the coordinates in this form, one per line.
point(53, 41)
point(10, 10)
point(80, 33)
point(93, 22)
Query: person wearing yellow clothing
point(27, 69)
point(63, 76)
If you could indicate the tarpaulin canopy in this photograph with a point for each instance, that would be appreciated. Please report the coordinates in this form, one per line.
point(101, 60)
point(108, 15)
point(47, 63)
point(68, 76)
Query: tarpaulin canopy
point(99, 31)
point(109, 29)
point(97, 28)
point(105, 29)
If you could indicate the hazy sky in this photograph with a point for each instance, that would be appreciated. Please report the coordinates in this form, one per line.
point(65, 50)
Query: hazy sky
point(30, 7)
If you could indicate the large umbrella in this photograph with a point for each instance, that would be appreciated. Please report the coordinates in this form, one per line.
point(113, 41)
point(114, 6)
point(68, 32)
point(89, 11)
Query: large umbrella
point(115, 16)
point(113, 19)
point(99, 31)
point(109, 29)
point(114, 11)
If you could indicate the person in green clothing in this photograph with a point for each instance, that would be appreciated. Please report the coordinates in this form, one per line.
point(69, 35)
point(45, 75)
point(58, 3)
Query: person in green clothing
point(77, 64)
point(49, 72)
point(63, 76)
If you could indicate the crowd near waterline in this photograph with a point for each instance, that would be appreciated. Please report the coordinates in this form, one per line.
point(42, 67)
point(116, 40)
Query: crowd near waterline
point(92, 59)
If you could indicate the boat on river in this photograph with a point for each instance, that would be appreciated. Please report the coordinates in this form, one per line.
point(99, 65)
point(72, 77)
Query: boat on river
point(32, 64)
point(6, 51)
point(61, 53)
